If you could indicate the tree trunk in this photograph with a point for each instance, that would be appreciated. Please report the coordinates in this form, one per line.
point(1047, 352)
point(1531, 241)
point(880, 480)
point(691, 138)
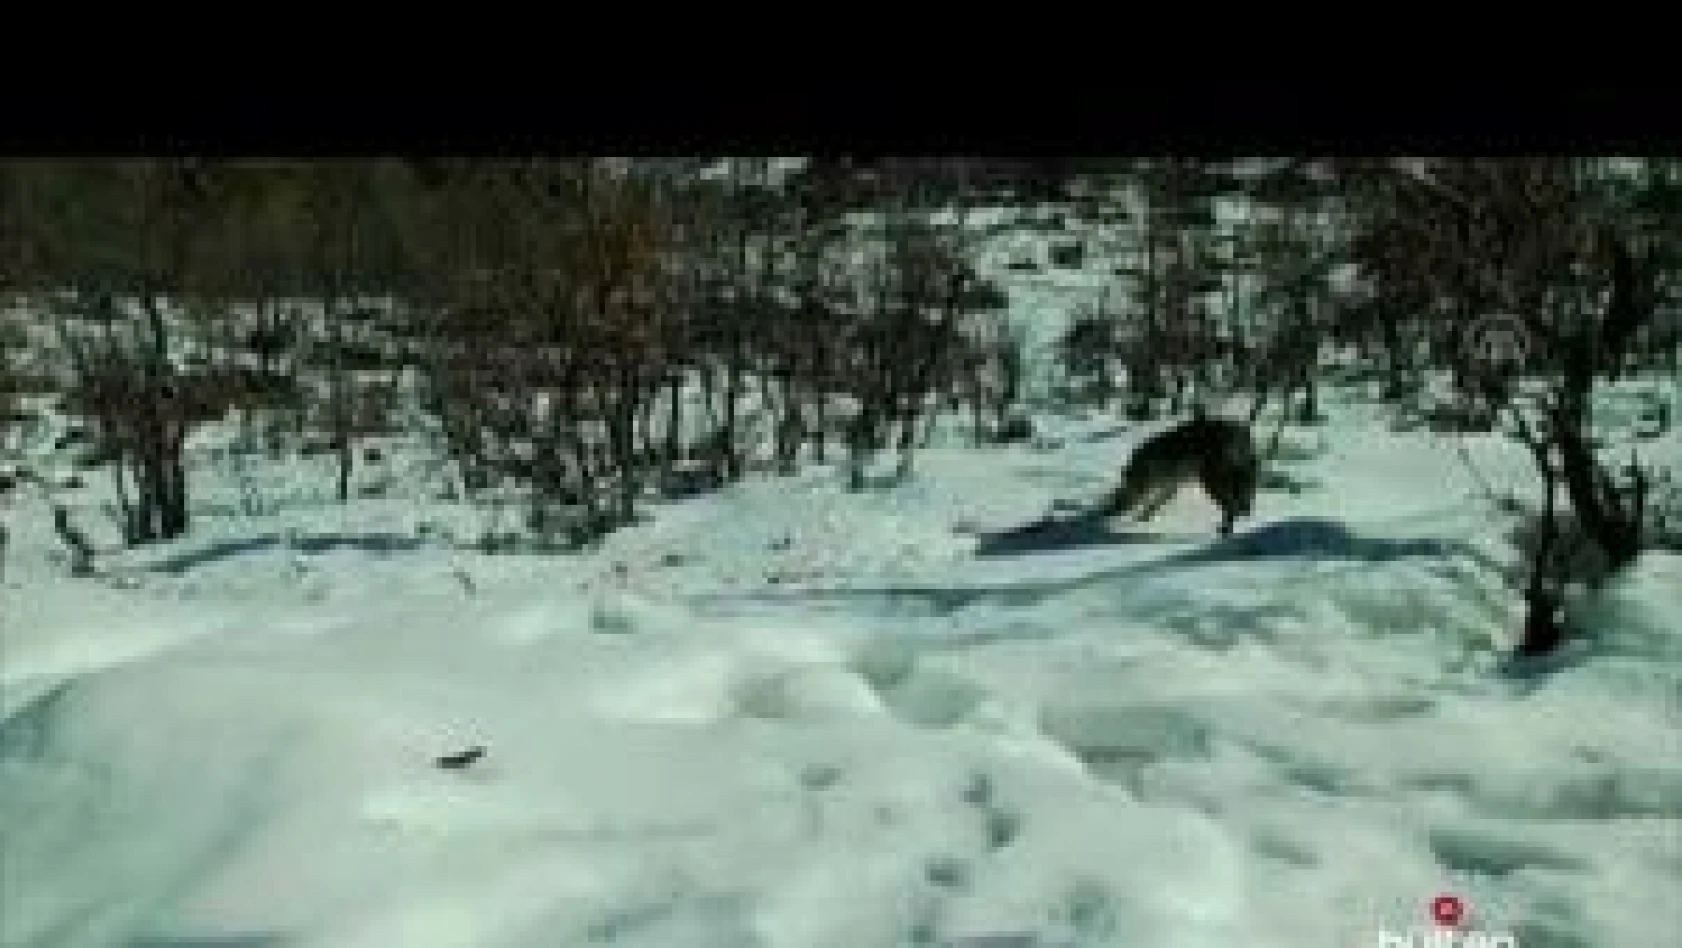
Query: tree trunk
point(1614, 529)
point(347, 460)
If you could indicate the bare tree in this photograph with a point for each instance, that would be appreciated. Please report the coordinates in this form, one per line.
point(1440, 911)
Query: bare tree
point(992, 373)
point(550, 343)
point(123, 235)
point(905, 346)
point(1523, 244)
point(75, 541)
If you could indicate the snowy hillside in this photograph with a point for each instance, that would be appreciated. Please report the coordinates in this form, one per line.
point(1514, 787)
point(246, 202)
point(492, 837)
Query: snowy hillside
point(790, 716)
point(947, 711)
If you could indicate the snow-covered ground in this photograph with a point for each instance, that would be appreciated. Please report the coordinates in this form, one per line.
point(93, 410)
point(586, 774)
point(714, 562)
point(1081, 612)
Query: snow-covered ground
point(951, 712)
point(792, 717)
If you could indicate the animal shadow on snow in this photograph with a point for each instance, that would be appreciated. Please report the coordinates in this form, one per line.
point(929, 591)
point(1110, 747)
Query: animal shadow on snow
point(1299, 537)
point(1311, 538)
point(380, 543)
point(1305, 538)
point(1052, 534)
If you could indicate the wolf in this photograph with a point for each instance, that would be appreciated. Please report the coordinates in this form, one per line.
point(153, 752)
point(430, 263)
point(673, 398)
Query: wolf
point(1216, 452)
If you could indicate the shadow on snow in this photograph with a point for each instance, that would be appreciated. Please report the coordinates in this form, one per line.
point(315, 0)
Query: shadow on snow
point(383, 544)
point(1306, 538)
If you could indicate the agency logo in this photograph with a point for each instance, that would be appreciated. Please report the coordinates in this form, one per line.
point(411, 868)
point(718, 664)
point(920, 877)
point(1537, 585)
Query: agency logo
point(1497, 344)
point(1448, 916)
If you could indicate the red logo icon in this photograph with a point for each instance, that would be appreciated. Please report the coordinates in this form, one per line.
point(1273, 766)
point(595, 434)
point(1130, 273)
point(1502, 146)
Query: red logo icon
point(1447, 910)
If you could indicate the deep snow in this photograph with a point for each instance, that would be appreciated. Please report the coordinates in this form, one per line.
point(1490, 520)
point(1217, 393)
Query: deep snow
point(786, 715)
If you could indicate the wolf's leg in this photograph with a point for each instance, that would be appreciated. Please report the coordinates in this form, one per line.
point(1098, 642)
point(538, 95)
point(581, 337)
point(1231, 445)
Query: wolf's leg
point(1155, 501)
point(1233, 493)
point(1118, 501)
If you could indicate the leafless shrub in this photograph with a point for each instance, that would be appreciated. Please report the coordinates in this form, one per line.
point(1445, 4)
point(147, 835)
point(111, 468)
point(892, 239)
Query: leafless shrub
point(553, 338)
point(991, 378)
point(1086, 352)
point(906, 347)
point(1525, 273)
